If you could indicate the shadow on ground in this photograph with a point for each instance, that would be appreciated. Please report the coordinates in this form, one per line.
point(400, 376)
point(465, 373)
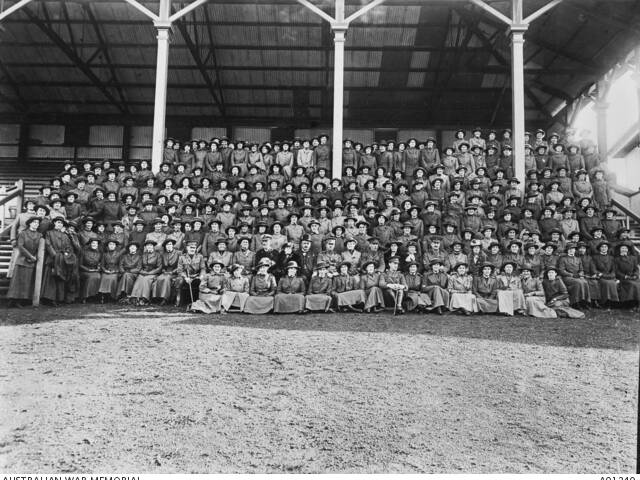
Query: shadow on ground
point(615, 329)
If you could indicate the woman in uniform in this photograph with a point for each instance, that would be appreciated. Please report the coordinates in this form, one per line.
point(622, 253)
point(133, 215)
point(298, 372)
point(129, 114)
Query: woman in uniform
point(22, 281)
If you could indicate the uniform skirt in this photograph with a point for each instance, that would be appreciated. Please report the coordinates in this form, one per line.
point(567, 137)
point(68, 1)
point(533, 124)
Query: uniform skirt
point(608, 289)
point(563, 309)
point(22, 282)
point(164, 286)
point(125, 285)
point(317, 302)
point(537, 308)
point(578, 289)
point(594, 288)
point(630, 290)
point(487, 305)
point(349, 298)
point(258, 305)
point(234, 299)
point(142, 286)
point(288, 303)
point(206, 303)
point(89, 284)
point(439, 296)
point(510, 301)
point(466, 301)
point(415, 299)
point(373, 298)
point(109, 284)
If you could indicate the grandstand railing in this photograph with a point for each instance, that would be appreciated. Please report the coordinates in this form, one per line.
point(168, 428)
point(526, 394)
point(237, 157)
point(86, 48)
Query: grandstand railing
point(14, 197)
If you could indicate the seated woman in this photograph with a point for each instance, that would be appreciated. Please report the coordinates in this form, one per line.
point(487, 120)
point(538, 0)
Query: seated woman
point(212, 284)
point(393, 285)
point(510, 295)
point(165, 284)
point(345, 289)
point(415, 298)
point(628, 272)
point(534, 295)
point(290, 292)
point(261, 290)
point(460, 286)
point(571, 270)
point(236, 291)
point(90, 260)
point(23, 279)
point(150, 267)
point(110, 268)
point(604, 268)
point(435, 284)
point(485, 288)
point(318, 298)
point(557, 295)
point(129, 267)
point(369, 284)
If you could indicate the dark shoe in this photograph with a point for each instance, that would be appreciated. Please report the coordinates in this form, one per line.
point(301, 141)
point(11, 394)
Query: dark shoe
point(163, 302)
point(439, 310)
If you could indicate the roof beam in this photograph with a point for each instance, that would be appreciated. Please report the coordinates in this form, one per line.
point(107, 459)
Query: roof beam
point(200, 86)
point(195, 54)
point(494, 69)
point(19, 102)
point(84, 68)
point(538, 103)
point(105, 54)
point(613, 22)
point(235, 47)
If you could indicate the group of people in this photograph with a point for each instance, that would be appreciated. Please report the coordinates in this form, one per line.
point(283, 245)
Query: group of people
point(406, 226)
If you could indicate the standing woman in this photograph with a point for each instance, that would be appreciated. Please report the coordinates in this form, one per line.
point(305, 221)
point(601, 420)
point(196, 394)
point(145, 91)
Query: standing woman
point(59, 280)
point(90, 277)
point(628, 272)
point(109, 268)
point(129, 265)
point(284, 158)
point(290, 292)
point(22, 282)
point(150, 267)
point(239, 158)
point(262, 289)
point(165, 284)
point(236, 291)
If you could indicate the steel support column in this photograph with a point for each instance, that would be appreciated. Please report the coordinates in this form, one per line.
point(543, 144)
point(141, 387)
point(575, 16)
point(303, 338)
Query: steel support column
point(160, 103)
point(339, 28)
point(517, 99)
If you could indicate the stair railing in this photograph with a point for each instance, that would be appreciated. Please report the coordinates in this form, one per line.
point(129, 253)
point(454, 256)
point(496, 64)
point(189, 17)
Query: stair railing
point(17, 193)
point(629, 215)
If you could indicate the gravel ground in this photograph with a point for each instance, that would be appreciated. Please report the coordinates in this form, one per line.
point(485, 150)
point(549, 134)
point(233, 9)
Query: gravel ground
point(105, 389)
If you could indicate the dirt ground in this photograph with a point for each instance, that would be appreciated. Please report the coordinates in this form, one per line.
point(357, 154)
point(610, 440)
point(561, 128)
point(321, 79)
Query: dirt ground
point(109, 389)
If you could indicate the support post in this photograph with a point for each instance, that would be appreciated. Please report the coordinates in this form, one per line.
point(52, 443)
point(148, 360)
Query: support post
point(162, 70)
point(338, 99)
point(601, 107)
point(517, 96)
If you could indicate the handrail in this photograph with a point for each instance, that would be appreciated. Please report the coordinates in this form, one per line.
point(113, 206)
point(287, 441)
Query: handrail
point(626, 211)
point(16, 191)
point(625, 192)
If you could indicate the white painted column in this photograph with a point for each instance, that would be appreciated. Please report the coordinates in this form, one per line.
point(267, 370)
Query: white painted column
point(601, 107)
point(163, 25)
point(338, 99)
point(517, 98)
